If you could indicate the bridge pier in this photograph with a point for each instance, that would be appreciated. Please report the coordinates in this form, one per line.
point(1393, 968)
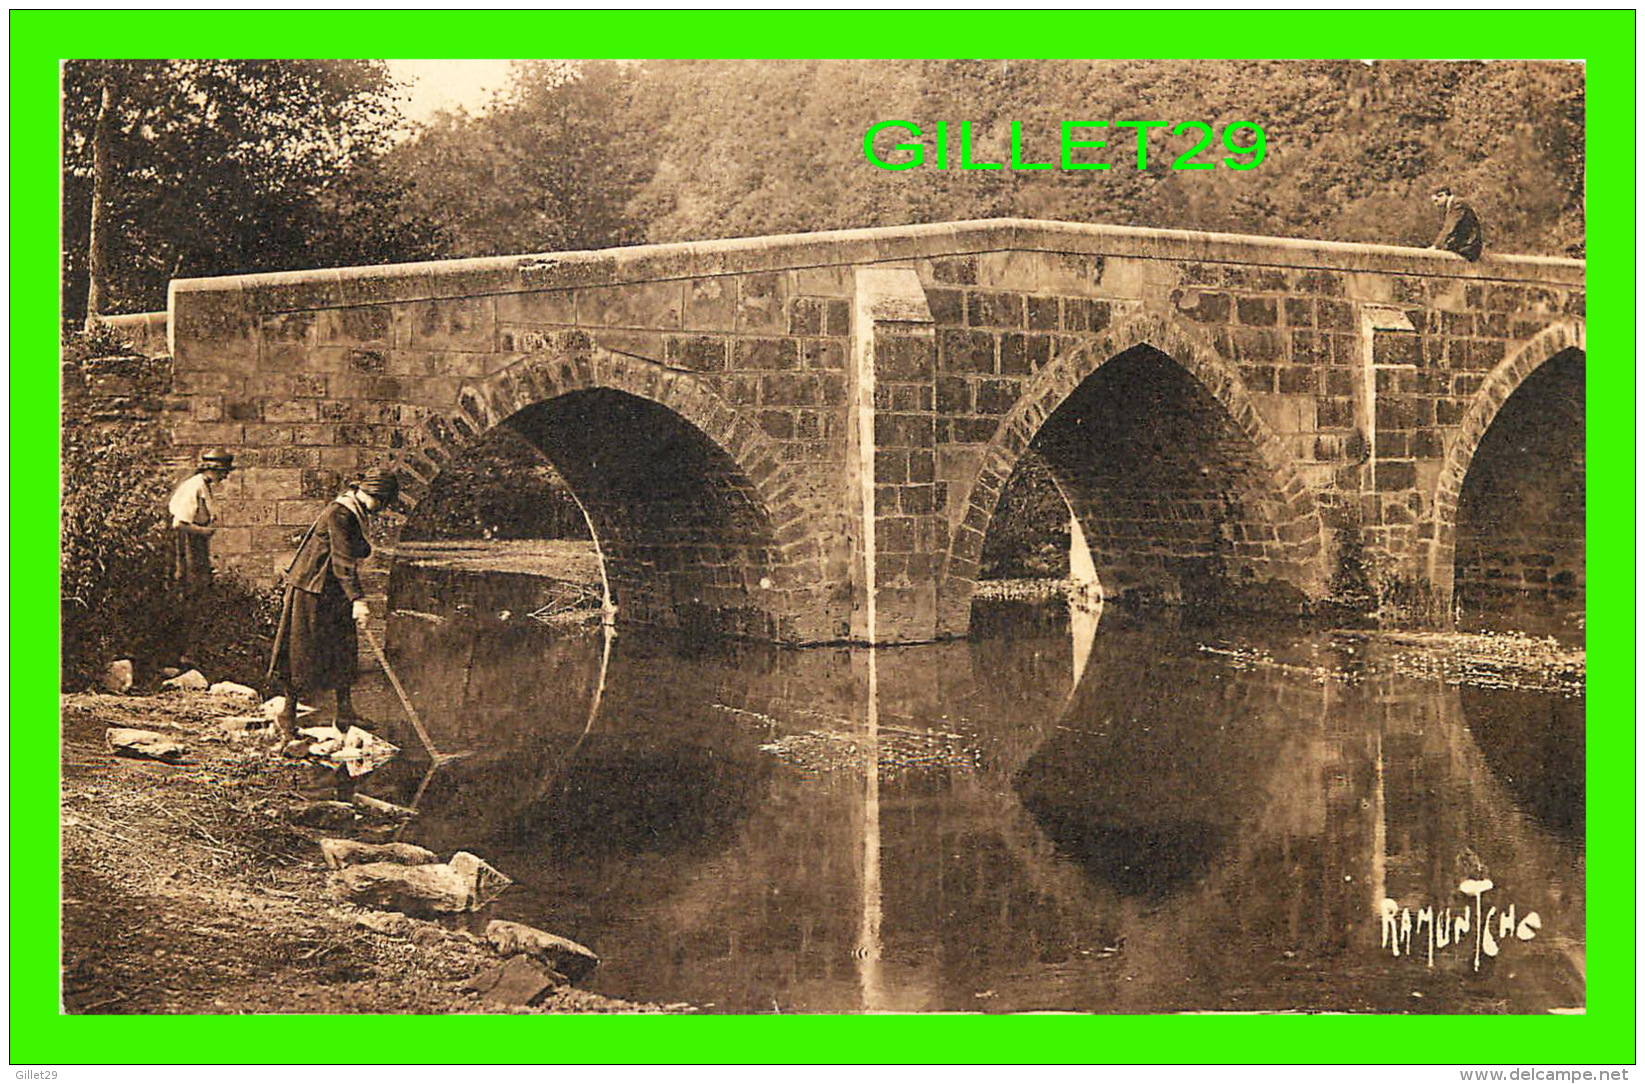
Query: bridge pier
point(899, 524)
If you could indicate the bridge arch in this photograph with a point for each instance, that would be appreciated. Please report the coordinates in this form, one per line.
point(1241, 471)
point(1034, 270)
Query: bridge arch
point(1282, 532)
point(695, 514)
point(1564, 342)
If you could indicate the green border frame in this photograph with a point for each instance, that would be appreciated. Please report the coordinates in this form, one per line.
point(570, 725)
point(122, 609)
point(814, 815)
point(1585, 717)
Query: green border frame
point(1604, 1035)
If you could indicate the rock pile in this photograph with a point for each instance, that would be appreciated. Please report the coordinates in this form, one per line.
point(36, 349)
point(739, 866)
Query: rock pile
point(402, 884)
point(402, 888)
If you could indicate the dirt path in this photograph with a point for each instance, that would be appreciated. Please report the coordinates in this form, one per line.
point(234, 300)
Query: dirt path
point(186, 890)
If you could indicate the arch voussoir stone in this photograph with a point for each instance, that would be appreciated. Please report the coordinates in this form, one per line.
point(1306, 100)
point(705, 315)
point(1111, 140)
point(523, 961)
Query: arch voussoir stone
point(505, 397)
point(474, 407)
point(1498, 387)
point(542, 376)
point(1059, 379)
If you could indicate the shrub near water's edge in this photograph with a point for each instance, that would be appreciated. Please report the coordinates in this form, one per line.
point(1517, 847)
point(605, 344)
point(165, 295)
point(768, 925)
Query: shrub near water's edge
point(502, 487)
point(117, 598)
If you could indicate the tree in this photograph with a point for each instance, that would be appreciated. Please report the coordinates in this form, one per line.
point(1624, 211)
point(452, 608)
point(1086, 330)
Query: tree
point(748, 147)
point(97, 229)
point(592, 154)
point(550, 166)
point(201, 167)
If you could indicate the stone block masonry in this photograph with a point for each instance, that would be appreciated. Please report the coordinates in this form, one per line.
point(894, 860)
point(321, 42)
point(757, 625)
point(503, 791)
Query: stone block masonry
point(775, 434)
point(901, 523)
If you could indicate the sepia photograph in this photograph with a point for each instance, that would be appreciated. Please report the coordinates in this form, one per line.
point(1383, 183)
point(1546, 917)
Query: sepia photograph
point(835, 537)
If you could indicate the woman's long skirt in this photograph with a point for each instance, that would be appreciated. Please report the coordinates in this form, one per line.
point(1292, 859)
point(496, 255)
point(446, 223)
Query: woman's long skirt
point(316, 646)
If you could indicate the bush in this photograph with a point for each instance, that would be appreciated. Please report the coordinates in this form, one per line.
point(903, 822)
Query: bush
point(117, 599)
point(502, 487)
point(1028, 536)
point(1369, 588)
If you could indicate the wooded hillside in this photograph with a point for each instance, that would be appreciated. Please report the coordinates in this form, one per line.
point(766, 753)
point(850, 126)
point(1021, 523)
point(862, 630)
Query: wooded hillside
point(225, 167)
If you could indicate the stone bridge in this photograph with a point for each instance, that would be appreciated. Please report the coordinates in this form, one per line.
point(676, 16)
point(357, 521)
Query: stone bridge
point(804, 438)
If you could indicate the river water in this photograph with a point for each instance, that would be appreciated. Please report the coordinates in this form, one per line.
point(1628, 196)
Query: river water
point(1061, 813)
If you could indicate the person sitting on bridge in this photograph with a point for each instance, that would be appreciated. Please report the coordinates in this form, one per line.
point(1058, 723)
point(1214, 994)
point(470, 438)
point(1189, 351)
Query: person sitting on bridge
point(1460, 231)
point(316, 646)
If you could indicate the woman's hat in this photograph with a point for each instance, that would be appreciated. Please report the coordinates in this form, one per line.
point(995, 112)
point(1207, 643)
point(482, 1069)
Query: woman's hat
point(217, 459)
point(382, 484)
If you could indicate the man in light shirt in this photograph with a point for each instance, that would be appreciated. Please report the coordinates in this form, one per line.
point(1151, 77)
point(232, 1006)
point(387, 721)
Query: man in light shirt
point(193, 513)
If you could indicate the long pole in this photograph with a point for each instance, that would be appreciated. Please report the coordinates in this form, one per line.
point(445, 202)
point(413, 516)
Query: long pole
point(405, 701)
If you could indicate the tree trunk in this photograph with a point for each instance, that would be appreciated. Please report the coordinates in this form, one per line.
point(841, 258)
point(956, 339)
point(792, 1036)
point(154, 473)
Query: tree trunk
point(97, 259)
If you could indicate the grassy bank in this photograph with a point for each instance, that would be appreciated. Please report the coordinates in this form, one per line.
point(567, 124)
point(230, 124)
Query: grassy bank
point(186, 888)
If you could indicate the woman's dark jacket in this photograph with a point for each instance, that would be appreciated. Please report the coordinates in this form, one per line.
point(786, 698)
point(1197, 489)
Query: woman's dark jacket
point(317, 646)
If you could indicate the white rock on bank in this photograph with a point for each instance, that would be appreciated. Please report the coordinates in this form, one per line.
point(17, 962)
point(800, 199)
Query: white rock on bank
point(127, 742)
point(565, 956)
point(192, 681)
point(117, 679)
point(376, 807)
point(240, 727)
point(234, 689)
point(408, 889)
point(485, 882)
point(359, 751)
point(275, 705)
point(347, 852)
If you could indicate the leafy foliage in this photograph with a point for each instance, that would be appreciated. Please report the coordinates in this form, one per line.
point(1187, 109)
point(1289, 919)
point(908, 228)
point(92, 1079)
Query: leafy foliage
point(117, 597)
point(228, 166)
point(669, 150)
point(549, 167)
point(502, 487)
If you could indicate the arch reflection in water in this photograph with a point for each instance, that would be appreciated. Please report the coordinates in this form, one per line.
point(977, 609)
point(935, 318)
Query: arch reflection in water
point(987, 824)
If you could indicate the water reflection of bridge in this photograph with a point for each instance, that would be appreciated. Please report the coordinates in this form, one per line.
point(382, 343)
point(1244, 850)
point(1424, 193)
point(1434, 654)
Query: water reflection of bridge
point(1152, 829)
